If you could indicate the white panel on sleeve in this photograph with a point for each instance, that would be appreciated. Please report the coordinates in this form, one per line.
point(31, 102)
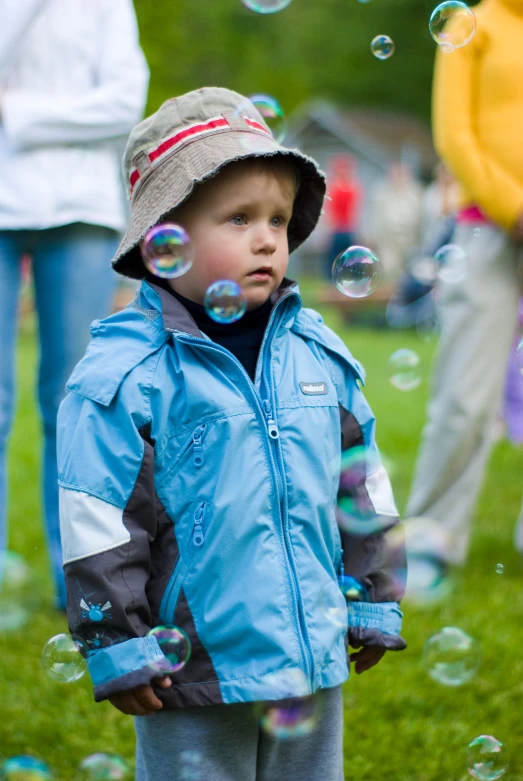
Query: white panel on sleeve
point(380, 493)
point(89, 525)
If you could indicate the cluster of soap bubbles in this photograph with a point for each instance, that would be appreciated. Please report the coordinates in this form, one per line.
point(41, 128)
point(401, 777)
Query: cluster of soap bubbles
point(167, 253)
point(96, 767)
point(63, 656)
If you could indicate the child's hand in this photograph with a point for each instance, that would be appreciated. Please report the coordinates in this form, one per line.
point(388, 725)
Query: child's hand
point(366, 657)
point(140, 701)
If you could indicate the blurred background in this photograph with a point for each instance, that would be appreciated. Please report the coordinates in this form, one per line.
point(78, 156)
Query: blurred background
point(367, 121)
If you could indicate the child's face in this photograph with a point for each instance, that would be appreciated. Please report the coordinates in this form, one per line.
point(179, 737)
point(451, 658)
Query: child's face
point(238, 224)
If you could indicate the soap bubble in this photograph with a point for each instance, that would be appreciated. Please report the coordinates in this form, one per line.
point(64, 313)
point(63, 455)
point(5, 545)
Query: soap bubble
point(266, 6)
point(355, 512)
point(451, 656)
point(289, 682)
point(519, 356)
point(352, 589)
point(63, 658)
point(291, 720)
point(500, 569)
point(167, 251)
point(452, 263)
point(175, 645)
point(335, 609)
point(452, 25)
point(104, 767)
point(404, 371)
point(190, 765)
point(25, 768)
point(224, 301)
point(487, 758)
point(428, 326)
point(357, 272)
point(272, 113)
point(14, 584)
point(382, 47)
point(425, 575)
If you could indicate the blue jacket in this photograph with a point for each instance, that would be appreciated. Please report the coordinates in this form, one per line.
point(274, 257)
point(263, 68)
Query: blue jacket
point(190, 495)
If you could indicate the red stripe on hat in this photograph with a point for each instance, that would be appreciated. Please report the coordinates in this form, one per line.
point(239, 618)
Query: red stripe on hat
point(183, 134)
point(135, 175)
point(168, 143)
point(253, 123)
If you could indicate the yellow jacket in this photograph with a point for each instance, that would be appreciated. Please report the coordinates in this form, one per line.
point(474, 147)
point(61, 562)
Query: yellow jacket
point(478, 112)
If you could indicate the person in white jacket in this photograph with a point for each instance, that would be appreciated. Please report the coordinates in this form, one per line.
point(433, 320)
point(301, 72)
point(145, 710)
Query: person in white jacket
point(73, 83)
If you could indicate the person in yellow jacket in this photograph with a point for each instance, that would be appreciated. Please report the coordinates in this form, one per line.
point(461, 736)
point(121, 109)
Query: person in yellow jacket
point(478, 127)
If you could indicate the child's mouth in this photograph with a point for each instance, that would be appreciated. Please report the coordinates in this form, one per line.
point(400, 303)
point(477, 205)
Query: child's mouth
point(261, 273)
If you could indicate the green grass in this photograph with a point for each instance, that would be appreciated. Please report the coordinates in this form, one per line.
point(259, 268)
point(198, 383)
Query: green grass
point(400, 725)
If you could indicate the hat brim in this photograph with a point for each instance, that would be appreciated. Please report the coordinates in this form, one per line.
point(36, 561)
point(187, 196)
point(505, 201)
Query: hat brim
point(174, 180)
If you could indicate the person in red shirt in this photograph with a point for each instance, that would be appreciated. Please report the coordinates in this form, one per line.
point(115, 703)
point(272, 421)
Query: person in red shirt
point(342, 206)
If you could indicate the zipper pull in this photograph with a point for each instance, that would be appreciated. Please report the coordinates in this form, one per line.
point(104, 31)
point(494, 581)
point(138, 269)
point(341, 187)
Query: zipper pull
point(198, 537)
point(271, 423)
point(197, 446)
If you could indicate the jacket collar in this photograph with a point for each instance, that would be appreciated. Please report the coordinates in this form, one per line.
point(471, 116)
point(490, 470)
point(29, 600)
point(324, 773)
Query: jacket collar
point(176, 318)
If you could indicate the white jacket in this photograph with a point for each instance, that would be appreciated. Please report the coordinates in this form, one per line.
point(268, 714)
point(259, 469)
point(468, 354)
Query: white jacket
point(75, 82)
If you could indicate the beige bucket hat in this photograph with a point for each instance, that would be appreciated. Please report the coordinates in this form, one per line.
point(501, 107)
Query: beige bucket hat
point(186, 142)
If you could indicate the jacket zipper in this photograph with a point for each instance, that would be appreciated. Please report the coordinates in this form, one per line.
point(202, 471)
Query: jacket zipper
point(197, 539)
point(273, 436)
point(197, 446)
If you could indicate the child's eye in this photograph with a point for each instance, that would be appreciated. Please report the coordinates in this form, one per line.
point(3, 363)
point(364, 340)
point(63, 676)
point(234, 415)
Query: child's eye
point(278, 222)
point(238, 219)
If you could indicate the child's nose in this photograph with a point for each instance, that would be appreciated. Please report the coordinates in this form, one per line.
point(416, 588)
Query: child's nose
point(264, 240)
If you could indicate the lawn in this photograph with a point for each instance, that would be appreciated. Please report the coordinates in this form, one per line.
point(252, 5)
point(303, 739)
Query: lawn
point(400, 725)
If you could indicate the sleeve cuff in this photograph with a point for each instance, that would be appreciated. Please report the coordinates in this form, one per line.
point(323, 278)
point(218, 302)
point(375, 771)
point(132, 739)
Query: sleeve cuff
point(384, 616)
point(123, 666)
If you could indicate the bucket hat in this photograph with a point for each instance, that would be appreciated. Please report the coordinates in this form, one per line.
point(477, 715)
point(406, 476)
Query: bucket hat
point(186, 142)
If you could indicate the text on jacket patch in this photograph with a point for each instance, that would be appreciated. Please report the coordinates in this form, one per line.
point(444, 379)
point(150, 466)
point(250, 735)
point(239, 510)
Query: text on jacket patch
point(314, 388)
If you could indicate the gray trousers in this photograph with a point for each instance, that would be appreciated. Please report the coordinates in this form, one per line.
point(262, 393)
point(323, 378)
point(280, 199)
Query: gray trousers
point(478, 318)
point(225, 743)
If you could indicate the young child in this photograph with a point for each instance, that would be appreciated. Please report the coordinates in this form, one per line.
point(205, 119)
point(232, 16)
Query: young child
point(199, 465)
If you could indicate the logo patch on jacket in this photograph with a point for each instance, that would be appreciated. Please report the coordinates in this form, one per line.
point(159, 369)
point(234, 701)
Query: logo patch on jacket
point(314, 388)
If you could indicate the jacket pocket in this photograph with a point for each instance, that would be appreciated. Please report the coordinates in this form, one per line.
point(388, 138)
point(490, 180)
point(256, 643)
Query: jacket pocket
point(195, 542)
point(193, 448)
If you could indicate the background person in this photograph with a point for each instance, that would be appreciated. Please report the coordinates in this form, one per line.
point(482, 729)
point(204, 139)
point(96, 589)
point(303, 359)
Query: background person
point(477, 113)
point(342, 205)
point(73, 81)
point(396, 218)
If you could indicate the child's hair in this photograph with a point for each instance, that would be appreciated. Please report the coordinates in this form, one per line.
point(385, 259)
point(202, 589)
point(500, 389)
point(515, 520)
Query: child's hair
point(285, 171)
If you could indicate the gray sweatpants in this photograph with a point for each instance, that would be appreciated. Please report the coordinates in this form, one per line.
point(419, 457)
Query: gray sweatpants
point(478, 318)
point(225, 743)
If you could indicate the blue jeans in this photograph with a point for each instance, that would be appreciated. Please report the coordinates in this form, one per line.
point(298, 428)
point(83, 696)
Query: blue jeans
point(74, 284)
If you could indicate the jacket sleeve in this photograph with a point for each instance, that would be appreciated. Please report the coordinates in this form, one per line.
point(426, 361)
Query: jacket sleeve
point(108, 520)
point(493, 188)
point(111, 108)
point(371, 534)
point(17, 19)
